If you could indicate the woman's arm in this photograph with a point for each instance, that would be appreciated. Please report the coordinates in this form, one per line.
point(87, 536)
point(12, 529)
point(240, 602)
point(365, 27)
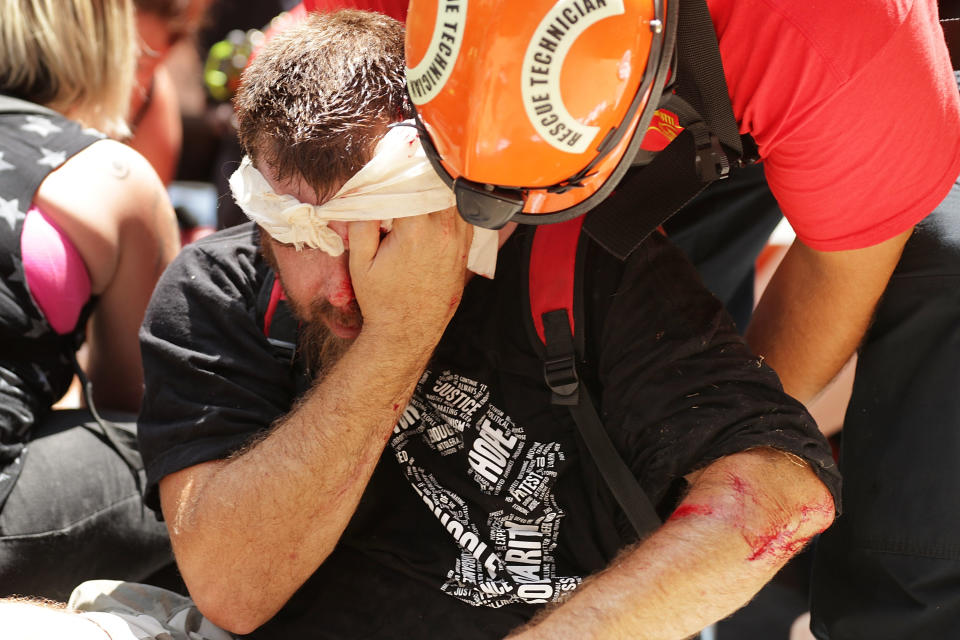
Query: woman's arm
point(109, 201)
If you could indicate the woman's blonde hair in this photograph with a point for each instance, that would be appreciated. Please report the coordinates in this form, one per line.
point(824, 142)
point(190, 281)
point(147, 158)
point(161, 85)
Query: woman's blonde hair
point(77, 57)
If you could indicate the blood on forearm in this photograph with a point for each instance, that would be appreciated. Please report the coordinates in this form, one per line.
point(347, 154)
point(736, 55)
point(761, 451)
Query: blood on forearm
point(773, 530)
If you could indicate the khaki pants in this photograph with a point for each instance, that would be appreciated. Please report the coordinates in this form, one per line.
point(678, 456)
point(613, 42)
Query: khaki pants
point(131, 611)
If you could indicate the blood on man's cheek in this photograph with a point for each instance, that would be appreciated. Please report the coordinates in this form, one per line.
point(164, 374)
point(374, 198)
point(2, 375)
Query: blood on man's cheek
point(342, 293)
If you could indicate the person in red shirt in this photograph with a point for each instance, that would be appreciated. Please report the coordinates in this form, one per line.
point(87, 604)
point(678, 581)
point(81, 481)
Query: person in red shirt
point(856, 115)
point(858, 132)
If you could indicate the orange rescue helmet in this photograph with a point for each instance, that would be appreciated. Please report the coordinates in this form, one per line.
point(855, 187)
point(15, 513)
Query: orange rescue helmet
point(532, 111)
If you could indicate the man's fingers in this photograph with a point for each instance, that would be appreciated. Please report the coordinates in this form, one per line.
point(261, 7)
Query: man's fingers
point(445, 223)
point(364, 238)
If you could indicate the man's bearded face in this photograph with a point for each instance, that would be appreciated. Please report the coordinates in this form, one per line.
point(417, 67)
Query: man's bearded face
point(322, 312)
point(320, 348)
point(318, 291)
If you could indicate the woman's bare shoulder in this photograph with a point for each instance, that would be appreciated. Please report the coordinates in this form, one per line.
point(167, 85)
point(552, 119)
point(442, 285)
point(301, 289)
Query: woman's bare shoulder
point(104, 192)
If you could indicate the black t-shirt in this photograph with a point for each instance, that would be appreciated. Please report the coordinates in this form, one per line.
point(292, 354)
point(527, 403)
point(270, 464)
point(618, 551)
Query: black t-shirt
point(483, 506)
point(949, 9)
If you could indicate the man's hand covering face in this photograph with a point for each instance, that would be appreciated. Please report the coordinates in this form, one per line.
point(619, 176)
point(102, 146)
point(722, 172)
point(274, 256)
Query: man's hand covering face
point(397, 182)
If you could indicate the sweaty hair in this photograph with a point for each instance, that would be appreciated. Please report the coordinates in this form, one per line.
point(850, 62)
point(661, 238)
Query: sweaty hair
point(74, 56)
point(316, 99)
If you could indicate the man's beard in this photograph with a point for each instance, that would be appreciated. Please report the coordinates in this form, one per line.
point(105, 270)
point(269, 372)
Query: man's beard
point(319, 348)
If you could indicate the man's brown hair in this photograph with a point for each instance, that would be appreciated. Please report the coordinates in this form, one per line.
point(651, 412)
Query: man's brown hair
point(315, 100)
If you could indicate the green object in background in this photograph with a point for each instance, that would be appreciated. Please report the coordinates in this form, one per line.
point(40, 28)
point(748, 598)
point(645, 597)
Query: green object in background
point(226, 61)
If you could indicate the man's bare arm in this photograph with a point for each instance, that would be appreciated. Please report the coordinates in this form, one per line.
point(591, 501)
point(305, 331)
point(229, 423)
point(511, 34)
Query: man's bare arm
point(744, 517)
point(248, 531)
point(816, 310)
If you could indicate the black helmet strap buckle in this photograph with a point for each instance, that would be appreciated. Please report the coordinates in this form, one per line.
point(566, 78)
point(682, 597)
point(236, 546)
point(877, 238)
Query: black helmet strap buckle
point(712, 162)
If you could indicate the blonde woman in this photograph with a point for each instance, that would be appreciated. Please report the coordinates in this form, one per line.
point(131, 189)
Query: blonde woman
point(85, 230)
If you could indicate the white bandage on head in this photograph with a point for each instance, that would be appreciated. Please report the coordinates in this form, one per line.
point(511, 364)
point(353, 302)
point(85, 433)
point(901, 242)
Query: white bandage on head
point(397, 182)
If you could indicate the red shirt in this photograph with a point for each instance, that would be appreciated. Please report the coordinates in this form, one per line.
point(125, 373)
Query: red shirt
point(396, 9)
point(393, 8)
point(854, 106)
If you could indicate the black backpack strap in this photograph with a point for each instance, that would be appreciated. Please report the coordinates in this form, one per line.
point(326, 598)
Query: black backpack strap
point(556, 306)
point(700, 78)
point(115, 440)
point(702, 153)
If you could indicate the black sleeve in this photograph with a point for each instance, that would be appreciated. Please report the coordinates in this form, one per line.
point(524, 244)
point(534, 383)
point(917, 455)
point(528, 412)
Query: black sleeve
point(680, 387)
point(211, 381)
